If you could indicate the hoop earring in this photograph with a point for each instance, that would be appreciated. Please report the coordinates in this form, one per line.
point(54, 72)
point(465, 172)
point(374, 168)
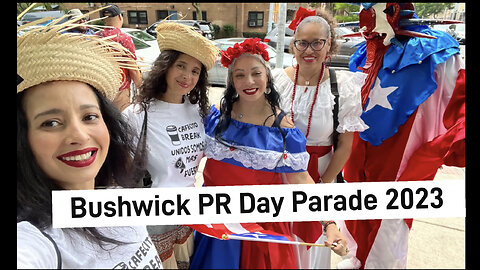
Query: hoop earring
point(268, 91)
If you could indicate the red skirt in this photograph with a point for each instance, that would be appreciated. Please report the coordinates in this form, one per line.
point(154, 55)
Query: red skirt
point(254, 254)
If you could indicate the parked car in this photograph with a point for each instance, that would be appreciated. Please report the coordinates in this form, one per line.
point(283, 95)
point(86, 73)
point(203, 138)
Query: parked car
point(457, 31)
point(218, 74)
point(203, 27)
point(346, 46)
point(33, 16)
point(146, 46)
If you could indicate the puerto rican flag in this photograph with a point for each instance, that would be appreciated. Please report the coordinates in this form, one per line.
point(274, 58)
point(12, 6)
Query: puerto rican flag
point(242, 231)
point(416, 115)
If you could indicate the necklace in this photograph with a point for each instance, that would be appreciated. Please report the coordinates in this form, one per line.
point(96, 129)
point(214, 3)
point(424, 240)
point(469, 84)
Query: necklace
point(307, 82)
point(314, 98)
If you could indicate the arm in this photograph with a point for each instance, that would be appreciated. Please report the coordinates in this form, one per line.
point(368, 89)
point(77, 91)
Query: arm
point(335, 236)
point(136, 76)
point(299, 178)
point(340, 157)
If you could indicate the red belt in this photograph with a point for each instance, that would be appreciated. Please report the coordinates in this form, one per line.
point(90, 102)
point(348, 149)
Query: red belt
point(315, 153)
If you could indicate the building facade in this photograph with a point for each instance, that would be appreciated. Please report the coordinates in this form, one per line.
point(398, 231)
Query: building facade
point(244, 17)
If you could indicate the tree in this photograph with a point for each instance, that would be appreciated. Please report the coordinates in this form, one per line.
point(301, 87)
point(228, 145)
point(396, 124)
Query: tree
point(345, 12)
point(425, 10)
point(198, 10)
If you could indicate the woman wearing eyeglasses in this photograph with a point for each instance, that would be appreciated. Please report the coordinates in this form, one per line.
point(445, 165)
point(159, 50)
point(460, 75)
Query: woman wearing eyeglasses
point(306, 97)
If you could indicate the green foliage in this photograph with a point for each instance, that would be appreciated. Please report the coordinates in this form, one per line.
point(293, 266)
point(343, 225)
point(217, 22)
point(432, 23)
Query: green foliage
point(344, 12)
point(228, 30)
point(351, 18)
point(344, 7)
point(425, 10)
point(216, 29)
point(259, 35)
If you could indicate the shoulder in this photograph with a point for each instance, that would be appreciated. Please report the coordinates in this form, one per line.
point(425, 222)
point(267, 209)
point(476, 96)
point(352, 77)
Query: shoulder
point(34, 250)
point(288, 72)
point(283, 83)
point(286, 122)
point(349, 83)
point(134, 115)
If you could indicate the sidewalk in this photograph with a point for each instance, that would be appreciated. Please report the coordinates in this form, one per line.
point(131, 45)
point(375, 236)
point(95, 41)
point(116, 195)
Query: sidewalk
point(435, 243)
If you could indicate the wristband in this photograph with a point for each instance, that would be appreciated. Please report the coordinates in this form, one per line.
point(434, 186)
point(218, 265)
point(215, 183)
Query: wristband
point(325, 225)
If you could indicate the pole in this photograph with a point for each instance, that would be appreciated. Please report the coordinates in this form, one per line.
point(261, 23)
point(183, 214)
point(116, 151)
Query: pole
point(234, 237)
point(282, 15)
point(270, 17)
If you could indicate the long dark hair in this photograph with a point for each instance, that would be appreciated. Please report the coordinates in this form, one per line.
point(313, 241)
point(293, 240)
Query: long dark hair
point(34, 187)
point(155, 85)
point(230, 96)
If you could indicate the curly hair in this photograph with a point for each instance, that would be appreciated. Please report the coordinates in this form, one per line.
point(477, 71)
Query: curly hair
point(155, 85)
point(332, 23)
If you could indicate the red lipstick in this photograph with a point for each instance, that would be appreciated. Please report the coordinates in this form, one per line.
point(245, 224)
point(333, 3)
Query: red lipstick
point(79, 158)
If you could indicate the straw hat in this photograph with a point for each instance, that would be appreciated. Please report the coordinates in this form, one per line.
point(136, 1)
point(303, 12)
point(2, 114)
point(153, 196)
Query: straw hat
point(180, 37)
point(49, 53)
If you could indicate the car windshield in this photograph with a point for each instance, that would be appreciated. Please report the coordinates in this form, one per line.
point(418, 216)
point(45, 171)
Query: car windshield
point(142, 35)
point(460, 27)
point(139, 44)
point(342, 31)
point(205, 27)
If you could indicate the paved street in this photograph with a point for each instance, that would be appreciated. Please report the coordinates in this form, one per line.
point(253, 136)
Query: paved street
point(433, 242)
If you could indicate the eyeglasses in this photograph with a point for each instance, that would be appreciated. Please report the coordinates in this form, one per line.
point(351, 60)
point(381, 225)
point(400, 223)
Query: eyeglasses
point(316, 45)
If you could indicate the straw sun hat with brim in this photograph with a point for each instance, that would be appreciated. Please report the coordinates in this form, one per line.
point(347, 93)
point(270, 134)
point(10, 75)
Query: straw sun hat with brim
point(48, 53)
point(182, 38)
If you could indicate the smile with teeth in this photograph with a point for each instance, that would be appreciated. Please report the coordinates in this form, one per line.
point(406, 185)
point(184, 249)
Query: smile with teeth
point(79, 158)
point(250, 91)
point(309, 58)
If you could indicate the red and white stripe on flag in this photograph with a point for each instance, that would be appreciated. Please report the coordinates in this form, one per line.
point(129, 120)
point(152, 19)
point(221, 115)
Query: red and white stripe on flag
point(225, 229)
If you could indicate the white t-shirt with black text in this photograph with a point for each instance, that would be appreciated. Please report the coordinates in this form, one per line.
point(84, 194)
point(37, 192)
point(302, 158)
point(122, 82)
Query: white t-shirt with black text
point(35, 250)
point(175, 141)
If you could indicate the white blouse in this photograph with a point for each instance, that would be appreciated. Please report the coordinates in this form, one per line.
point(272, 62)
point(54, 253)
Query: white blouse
point(321, 127)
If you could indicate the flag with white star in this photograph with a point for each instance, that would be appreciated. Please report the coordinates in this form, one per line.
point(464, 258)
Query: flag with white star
point(403, 83)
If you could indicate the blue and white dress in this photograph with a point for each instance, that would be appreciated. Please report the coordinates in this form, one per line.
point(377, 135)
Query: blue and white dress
point(249, 155)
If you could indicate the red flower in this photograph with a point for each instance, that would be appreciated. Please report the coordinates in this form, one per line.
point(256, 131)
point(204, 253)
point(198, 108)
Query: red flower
point(301, 14)
point(249, 45)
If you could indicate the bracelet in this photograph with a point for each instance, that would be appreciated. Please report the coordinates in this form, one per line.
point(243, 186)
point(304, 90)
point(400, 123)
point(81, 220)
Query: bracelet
point(325, 225)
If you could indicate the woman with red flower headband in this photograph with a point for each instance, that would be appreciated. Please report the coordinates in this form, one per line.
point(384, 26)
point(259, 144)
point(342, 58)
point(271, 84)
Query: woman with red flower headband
point(306, 96)
point(249, 141)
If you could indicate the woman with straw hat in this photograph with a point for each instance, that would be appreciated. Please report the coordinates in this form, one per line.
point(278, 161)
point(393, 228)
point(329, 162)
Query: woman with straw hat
point(70, 136)
point(173, 102)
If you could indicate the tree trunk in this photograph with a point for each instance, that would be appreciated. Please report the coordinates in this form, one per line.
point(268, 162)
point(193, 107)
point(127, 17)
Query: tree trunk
point(198, 10)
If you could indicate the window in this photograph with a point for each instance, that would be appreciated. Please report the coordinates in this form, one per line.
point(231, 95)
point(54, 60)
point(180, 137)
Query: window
point(161, 14)
point(204, 15)
point(137, 17)
point(255, 19)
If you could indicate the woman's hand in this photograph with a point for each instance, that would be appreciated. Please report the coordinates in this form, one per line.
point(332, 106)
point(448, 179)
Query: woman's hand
point(335, 236)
